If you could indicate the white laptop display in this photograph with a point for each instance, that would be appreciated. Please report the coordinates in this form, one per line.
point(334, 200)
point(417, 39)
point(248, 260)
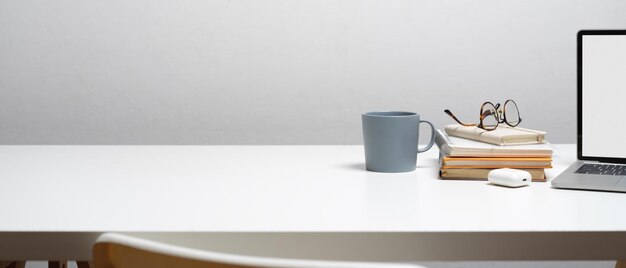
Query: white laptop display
point(601, 140)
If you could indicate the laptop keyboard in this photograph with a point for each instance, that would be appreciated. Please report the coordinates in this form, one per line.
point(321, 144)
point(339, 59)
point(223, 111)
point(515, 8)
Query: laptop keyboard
point(602, 169)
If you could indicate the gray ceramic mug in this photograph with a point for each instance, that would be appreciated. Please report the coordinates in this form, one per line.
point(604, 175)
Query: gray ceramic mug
point(391, 140)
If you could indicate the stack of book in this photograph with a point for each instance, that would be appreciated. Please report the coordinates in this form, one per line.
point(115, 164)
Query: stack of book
point(470, 153)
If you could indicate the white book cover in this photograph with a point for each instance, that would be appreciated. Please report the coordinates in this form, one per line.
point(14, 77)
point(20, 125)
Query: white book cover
point(502, 135)
point(460, 147)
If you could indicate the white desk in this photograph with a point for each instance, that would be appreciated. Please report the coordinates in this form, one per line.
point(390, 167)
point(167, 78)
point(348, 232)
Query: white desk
point(308, 201)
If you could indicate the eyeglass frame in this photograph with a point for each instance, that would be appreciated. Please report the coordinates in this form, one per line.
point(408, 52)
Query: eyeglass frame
point(500, 116)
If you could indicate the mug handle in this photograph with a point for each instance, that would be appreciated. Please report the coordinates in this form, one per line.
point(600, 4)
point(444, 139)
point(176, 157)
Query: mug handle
point(432, 137)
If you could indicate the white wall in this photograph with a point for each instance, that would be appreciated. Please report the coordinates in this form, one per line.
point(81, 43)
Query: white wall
point(280, 71)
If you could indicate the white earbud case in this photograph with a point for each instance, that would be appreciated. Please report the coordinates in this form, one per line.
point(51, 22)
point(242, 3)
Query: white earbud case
point(509, 177)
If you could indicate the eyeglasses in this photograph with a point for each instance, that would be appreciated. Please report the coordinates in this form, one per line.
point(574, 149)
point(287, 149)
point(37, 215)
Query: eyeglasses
point(491, 115)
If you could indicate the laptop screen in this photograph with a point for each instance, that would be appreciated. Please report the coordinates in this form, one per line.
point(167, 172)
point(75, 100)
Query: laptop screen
point(602, 95)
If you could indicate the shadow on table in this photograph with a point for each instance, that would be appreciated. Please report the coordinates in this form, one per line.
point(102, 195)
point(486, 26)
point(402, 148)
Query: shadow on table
point(361, 166)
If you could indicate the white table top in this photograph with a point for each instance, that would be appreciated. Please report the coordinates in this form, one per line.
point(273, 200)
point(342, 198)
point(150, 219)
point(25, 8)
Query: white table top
point(275, 189)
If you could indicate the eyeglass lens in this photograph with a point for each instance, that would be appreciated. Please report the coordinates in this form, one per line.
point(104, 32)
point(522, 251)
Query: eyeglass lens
point(488, 114)
point(511, 113)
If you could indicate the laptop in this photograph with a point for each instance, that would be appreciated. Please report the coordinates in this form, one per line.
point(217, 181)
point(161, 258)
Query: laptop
point(601, 139)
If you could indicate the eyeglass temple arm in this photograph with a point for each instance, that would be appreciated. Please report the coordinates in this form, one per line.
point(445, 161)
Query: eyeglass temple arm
point(457, 120)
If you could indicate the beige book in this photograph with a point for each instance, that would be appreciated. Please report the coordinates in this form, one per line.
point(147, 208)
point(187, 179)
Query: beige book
point(459, 147)
point(481, 174)
point(502, 135)
point(496, 162)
